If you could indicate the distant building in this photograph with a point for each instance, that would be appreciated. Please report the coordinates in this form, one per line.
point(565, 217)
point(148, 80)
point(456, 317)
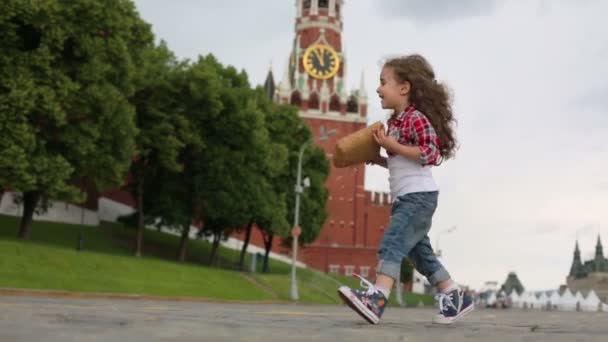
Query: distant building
point(591, 274)
point(512, 284)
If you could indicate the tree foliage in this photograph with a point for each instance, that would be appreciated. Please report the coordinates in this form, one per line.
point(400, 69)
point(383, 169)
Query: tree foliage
point(67, 70)
point(87, 98)
point(160, 124)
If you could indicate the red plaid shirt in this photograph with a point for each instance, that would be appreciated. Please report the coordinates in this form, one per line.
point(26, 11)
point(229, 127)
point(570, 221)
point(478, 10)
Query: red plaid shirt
point(411, 127)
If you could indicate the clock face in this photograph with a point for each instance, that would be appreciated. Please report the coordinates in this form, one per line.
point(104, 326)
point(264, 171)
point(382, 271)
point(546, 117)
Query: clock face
point(321, 61)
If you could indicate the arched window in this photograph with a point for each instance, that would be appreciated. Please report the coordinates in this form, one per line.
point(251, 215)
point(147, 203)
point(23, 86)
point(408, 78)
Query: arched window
point(323, 3)
point(334, 103)
point(296, 99)
point(313, 102)
point(352, 106)
point(306, 4)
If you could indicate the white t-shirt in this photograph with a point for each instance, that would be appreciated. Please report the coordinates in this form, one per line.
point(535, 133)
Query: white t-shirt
point(407, 176)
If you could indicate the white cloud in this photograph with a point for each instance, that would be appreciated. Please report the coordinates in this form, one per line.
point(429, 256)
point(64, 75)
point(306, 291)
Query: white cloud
point(530, 83)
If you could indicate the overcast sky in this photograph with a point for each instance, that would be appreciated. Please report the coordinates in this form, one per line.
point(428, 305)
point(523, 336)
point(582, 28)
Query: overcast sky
point(530, 84)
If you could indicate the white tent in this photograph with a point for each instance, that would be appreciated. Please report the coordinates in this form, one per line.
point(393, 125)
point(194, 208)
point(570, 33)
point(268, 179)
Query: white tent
point(515, 299)
point(554, 300)
point(579, 300)
point(591, 303)
point(534, 300)
point(491, 299)
point(567, 301)
point(524, 301)
point(543, 300)
point(528, 301)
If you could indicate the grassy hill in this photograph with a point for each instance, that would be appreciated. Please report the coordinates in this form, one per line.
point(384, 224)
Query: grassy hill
point(50, 260)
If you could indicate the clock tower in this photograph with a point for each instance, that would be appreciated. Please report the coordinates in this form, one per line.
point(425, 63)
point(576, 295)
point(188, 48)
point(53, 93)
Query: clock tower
point(315, 80)
point(315, 76)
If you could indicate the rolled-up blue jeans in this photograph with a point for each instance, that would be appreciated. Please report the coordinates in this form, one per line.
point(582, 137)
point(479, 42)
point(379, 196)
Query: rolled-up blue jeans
point(407, 235)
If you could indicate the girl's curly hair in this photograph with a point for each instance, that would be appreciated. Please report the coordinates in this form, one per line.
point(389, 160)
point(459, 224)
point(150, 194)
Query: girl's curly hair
point(429, 96)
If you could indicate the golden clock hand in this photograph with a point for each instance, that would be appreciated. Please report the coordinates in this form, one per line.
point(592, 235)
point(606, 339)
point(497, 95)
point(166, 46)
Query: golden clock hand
point(319, 54)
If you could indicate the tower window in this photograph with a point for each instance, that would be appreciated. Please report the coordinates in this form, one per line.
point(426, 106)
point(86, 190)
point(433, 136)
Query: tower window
point(313, 102)
point(352, 105)
point(323, 3)
point(296, 100)
point(306, 4)
point(334, 103)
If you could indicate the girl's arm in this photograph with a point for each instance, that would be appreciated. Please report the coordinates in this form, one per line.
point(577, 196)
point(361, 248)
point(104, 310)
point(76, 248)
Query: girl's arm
point(408, 151)
point(391, 145)
point(427, 151)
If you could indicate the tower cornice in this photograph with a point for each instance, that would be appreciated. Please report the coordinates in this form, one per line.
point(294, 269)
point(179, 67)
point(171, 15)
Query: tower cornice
point(307, 24)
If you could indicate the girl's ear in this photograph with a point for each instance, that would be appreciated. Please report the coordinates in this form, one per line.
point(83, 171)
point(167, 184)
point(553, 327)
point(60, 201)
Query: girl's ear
point(405, 88)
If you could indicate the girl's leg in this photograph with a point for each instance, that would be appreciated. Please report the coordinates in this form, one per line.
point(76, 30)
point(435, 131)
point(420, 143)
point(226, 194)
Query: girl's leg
point(453, 302)
point(403, 232)
point(445, 285)
point(426, 262)
point(409, 225)
point(410, 222)
point(384, 281)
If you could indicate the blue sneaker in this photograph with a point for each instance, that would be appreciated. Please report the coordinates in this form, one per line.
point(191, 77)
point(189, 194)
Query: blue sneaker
point(368, 302)
point(453, 306)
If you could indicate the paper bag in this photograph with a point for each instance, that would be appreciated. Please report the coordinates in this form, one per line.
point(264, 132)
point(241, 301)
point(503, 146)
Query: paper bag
point(357, 147)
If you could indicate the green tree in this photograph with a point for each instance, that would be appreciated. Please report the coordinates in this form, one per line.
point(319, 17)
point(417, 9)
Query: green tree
point(268, 210)
point(66, 71)
point(159, 122)
point(240, 161)
point(287, 128)
point(223, 131)
point(177, 198)
point(269, 197)
point(312, 211)
point(168, 203)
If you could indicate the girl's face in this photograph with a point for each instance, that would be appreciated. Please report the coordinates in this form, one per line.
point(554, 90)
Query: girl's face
point(393, 93)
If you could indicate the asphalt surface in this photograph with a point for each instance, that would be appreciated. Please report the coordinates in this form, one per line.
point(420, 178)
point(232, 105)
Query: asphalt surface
point(40, 318)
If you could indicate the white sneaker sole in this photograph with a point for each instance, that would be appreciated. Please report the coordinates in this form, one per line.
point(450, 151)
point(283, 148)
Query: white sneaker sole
point(439, 319)
point(354, 303)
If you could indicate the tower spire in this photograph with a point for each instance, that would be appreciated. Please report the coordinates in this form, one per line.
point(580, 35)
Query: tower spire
point(362, 96)
point(362, 90)
point(577, 270)
point(269, 86)
point(599, 250)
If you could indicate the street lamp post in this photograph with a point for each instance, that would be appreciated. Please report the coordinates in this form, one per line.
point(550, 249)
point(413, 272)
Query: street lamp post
point(299, 189)
point(447, 231)
point(296, 221)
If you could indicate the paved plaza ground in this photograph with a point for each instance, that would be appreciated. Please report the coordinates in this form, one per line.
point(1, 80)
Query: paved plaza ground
point(40, 318)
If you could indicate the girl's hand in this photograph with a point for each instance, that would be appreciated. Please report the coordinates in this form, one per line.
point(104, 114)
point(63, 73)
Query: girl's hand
point(385, 140)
